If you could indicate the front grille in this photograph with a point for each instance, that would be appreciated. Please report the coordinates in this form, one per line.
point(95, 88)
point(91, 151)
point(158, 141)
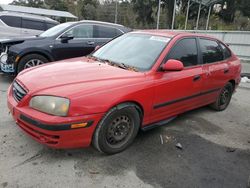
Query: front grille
point(18, 91)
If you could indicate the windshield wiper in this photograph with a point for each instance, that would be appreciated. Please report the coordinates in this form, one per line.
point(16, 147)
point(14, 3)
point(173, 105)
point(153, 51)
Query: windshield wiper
point(128, 67)
point(112, 63)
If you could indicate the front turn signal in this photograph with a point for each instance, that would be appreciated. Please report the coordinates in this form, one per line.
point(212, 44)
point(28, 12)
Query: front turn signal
point(79, 125)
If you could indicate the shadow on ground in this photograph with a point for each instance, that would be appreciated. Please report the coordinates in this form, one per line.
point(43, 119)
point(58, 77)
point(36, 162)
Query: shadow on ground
point(199, 164)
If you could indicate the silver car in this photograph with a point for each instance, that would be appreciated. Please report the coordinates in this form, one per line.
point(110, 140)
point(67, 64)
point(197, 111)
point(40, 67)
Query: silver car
point(13, 25)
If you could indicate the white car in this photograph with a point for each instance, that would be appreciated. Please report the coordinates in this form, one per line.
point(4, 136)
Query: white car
point(13, 25)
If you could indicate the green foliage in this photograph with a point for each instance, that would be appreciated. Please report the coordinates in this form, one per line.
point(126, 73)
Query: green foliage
point(56, 5)
point(234, 14)
point(144, 10)
point(244, 7)
point(180, 21)
point(29, 3)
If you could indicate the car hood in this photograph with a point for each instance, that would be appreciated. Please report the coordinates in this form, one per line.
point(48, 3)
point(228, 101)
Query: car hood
point(14, 41)
point(68, 77)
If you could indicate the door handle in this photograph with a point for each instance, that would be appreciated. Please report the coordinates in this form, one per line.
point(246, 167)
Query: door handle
point(226, 71)
point(90, 42)
point(196, 78)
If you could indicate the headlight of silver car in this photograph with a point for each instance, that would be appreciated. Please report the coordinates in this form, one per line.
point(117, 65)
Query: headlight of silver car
point(3, 58)
point(58, 106)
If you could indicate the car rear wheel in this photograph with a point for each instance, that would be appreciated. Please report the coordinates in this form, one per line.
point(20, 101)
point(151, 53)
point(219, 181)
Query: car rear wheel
point(31, 60)
point(223, 98)
point(117, 130)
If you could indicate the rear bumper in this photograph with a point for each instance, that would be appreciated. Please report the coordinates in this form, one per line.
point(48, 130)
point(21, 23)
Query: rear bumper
point(54, 131)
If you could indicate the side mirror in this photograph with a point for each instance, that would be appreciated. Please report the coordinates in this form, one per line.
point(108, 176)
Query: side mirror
point(97, 47)
point(173, 65)
point(66, 38)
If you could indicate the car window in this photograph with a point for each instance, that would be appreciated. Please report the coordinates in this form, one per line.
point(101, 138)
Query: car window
point(81, 31)
point(50, 25)
point(211, 51)
point(107, 32)
point(226, 51)
point(56, 30)
point(12, 21)
point(32, 24)
point(185, 51)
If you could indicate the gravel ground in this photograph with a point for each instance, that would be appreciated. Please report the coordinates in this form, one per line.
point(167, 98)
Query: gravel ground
point(215, 153)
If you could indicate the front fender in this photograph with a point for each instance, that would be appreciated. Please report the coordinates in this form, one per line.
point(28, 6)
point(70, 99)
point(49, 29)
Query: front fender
point(101, 102)
point(36, 51)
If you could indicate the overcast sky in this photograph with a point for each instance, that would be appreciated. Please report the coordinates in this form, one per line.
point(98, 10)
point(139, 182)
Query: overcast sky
point(5, 1)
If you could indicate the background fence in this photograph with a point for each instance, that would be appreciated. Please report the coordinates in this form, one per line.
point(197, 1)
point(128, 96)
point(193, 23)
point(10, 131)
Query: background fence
point(238, 41)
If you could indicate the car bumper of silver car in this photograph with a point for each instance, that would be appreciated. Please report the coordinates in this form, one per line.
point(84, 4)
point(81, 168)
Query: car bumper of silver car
point(5, 65)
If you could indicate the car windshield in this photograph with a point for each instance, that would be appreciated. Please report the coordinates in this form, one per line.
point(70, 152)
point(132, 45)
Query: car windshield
point(55, 30)
point(133, 50)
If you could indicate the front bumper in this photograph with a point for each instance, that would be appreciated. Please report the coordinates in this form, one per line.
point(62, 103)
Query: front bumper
point(9, 66)
point(53, 131)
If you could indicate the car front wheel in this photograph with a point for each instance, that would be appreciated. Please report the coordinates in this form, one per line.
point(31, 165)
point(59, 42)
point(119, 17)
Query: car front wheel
point(117, 130)
point(31, 60)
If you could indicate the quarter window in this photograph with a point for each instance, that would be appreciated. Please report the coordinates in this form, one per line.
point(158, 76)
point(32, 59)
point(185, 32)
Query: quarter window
point(11, 21)
point(107, 32)
point(211, 51)
point(82, 31)
point(32, 24)
point(226, 51)
point(186, 52)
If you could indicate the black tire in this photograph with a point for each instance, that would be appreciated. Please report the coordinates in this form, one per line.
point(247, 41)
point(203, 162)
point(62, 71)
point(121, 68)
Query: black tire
point(110, 136)
point(26, 59)
point(223, 98)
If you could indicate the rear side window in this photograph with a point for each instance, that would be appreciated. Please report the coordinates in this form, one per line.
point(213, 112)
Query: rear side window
point(226, 51)
point(186, 52)
point(81, 31)
point(12, 21)
point(106, 32)
point(49, 25)
point(211, 51)
point(32, 24)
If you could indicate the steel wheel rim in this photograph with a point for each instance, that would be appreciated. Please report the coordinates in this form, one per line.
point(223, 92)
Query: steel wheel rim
point(119, 131)
point(224, 97)
point(33, 63)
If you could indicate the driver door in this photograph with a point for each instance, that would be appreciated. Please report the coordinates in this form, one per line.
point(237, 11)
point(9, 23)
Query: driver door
point(178, 91)
point(82, 43)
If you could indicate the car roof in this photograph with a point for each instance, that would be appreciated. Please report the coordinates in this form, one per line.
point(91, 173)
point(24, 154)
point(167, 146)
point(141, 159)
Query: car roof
point(25, 15)
point(100, 22)
point(169, 33)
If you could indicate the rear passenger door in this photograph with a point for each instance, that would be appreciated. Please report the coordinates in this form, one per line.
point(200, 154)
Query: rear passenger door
point(104, 34)
point(32, 27)
point(214, 66)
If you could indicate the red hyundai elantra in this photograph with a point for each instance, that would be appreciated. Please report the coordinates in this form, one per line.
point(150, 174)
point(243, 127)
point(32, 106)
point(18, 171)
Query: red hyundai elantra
point(140, 80)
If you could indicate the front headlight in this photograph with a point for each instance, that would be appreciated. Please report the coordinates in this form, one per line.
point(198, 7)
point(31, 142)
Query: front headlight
point(50, 104)
point(4, 58)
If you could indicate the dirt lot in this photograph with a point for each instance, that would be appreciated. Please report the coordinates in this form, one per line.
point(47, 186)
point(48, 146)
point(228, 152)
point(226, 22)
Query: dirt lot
point(216, 153)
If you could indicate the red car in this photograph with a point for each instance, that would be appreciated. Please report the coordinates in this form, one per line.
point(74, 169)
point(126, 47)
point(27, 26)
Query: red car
point(140, 80)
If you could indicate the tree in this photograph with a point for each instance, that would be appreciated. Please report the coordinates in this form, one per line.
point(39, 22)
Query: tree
point(56, 5)
point(29, 3)
point(228, 10)
point(244, 7)
point(144, 10)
